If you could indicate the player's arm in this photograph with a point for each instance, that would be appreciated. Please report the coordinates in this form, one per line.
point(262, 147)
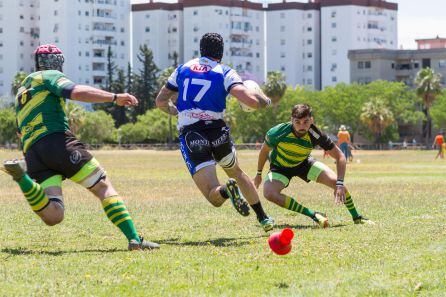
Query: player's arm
point(341, 165)
point(250, 98)
point(90, 94)
point(165, 100)
point(263, 156)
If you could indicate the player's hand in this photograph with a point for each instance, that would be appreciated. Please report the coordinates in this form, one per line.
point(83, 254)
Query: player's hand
point(125, 99)
point(339, 194)
point(173, 110)
point(257, 181)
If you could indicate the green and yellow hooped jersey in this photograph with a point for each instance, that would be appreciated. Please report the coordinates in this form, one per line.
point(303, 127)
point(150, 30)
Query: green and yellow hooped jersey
point(289, 150)
point(40, 105)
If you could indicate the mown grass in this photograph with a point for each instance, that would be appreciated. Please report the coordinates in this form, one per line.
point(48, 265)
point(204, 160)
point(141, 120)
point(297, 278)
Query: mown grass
point(213, 251)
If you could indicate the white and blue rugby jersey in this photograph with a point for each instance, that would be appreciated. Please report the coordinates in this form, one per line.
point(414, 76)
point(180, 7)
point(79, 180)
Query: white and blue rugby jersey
point(203, 85)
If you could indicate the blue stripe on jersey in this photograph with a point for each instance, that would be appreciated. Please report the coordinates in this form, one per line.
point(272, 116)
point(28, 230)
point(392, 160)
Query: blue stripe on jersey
point(184, 152)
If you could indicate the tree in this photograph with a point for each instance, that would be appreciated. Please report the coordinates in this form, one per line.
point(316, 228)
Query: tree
point(111, 67)
point(8, 126)
point(156, 122)
point(162, 80)
point(377, 116)
point(17, 82)
point(275, 86)
point(119, 86)
point(428, 88)
point(76, 116)
point(145, 83)
point(98, 126)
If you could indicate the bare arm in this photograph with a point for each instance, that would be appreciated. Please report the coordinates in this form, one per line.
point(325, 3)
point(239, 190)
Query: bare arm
point(90, 94)
point(165, 101)
point(252, 99)
point(263, 156)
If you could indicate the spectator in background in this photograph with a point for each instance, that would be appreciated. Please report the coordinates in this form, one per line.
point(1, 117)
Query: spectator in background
point(344, 141)
point(438, 142)
point(404, 144)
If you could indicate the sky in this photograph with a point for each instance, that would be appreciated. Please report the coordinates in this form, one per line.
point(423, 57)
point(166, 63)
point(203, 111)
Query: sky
point(417, 19)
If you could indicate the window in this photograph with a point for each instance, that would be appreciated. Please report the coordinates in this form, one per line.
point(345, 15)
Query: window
point(334, 52)
point(333, 25)
point(309, 15)
point(333, 14)
point(195, 12)
point(282, 28)
point(309, 68)
point(282, 55)
point(334, 39)
point(309, 29)
point(55, 12)
point(282, 41)
point(282, 68)
point(360, 65)
point(309, 41)
point(282, 15)
point(309, 55)
point(309, 81)
point(334, 66)
point(441, 64)
point(22, 29)
point(334, 79)
point(368, 64)
point(147, 29)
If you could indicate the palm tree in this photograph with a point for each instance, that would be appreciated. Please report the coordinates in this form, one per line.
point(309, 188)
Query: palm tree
point(428, 88)
point(17, 82)
point(275, 86)
point(377, 116)
point(76, 116)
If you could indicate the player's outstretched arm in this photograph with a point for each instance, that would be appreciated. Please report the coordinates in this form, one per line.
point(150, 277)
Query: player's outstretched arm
point(250, 98)
point(263, 156)
point(341, 165)
point(86, 93)
point(164, 101)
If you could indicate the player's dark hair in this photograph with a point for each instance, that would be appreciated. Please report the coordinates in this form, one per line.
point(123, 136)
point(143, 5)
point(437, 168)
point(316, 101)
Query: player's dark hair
point(211, 46)
point(301, 111)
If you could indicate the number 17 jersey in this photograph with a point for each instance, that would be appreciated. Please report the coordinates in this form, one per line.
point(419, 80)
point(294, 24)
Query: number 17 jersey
point(203, 86)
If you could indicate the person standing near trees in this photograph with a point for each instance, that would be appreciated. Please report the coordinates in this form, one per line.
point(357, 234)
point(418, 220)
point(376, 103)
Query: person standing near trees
point(438, 142)
point(344, 141)
point(52, 152)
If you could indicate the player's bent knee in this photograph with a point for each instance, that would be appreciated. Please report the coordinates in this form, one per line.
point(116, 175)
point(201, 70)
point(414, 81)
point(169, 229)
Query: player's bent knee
point(270, 195)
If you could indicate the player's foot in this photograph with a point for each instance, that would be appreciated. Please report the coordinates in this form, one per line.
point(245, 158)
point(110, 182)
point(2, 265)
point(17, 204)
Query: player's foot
point(363, 221)
point(267, 224)
point(142, 245)
point(321, 219)
point(15, 168)
point(238, 201)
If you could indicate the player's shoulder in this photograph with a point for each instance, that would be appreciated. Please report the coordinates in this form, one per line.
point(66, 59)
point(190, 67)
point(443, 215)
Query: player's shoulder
point(280, 130)
point(315, 132)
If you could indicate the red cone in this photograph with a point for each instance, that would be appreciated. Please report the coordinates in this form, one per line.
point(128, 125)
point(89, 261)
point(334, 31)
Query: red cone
point(280, 242)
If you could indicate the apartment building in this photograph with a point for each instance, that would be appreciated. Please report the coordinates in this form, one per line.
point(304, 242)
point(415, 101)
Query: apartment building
point(353, 24)
point(293, 42)
point(241, 24)
point(19, 35)
point(83, 29)
point(429, 43)
point(395, 65)
point(159, 26)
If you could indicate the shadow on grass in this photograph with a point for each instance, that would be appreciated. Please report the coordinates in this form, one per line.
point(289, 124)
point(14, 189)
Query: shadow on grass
point(218, 242)
point(23, 251)
point(301, 227)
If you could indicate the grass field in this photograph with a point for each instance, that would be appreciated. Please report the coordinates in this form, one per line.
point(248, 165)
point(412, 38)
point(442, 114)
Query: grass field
point(210, 251)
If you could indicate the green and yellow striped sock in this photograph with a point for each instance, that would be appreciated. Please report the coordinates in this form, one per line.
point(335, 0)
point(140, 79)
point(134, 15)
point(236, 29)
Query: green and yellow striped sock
point(34, 193)
point(292, 205)
point(117, 213)
point(350, 206)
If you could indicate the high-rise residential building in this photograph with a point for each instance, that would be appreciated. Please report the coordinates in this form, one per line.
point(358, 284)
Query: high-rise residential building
point(241, 24)
point(160, 27)
point(353, 24)
point(84, 30)
point(19, 35)
point(293, 42)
